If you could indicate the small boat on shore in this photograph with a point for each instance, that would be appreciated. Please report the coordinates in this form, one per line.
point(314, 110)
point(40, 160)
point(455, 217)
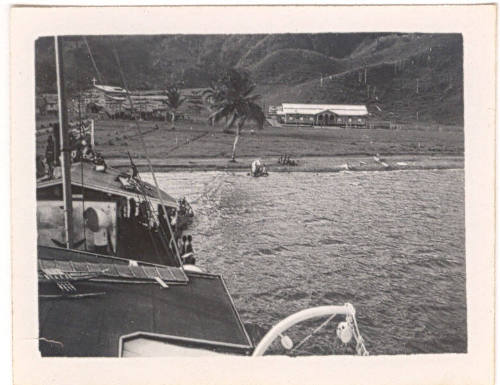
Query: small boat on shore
point(258, 169)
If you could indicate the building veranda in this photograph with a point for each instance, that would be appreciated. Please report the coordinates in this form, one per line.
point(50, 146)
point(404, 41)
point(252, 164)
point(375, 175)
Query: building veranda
point(340, 115)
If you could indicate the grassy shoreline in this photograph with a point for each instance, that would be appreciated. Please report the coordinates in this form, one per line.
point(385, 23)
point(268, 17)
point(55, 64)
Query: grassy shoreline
point(196, 146)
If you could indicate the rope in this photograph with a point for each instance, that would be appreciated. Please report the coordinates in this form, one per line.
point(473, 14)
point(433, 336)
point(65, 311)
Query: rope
point(208, 188)
point(141, 137)
point(190, 141)
point(93, 61)
point(143, 145)
point(101, 79)
point(157, 252)
point(124, 83)
point(81, 170)
point(351, 320)
point(150, 214)
point(313, 333)
point(360, 343)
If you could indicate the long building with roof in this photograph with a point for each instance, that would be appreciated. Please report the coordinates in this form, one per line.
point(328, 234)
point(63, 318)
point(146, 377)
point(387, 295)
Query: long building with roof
point(343, 115)
point(114, 101)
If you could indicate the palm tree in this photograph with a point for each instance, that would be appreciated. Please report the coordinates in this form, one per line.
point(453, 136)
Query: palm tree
point(231, 98)
point(174, 101)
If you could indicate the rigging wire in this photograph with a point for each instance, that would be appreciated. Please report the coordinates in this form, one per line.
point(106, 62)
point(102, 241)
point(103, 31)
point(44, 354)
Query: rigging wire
point(313, 333)
point(150, 214)
point(190, 141)
point(93, 61)
point(124, 83)
point(157, 252)
point(81, 170)
point(101, 80)
point(141, 137)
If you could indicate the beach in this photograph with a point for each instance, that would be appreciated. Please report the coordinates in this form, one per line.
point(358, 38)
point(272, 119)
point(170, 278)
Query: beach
point(196, 146)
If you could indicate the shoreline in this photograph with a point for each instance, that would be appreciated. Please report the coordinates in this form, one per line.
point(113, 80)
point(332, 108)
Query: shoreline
point(305, 164)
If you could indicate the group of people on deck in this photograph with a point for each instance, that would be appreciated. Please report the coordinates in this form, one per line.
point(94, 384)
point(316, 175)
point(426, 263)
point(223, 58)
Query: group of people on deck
point(138, 222)
point(81, 150)
point(184, 242)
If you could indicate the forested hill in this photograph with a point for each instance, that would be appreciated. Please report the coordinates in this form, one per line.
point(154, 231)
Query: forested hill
point(399, 76)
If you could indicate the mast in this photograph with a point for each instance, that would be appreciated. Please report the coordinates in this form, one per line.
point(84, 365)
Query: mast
point(64, 143)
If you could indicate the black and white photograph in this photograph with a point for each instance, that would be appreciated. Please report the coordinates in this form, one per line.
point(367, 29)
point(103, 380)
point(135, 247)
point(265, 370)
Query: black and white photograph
point(287, 194)
point(214, 185)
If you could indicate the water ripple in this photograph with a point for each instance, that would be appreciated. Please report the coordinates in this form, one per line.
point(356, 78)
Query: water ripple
point(391, 243)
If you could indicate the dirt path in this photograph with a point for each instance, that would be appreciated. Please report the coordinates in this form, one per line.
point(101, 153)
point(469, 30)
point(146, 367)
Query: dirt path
point(305, 164)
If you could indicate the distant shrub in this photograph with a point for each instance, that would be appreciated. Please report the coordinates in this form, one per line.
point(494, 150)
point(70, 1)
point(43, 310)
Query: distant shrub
point(111, 142)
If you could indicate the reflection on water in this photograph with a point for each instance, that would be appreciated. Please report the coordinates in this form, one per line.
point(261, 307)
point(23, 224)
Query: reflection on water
point(391, 243)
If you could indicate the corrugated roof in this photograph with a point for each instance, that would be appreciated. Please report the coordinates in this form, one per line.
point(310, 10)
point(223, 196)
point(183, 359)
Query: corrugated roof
point(150, 97)
point(314, 109)
point(109, 88)
point(117, 98)
point(107, 182)
point(92, 327)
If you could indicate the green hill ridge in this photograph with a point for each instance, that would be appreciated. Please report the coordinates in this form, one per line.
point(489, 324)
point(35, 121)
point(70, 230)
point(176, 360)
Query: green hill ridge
point(409, 77)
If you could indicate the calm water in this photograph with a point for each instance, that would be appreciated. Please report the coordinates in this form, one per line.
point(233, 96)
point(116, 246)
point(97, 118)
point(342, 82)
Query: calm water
point(391, 243)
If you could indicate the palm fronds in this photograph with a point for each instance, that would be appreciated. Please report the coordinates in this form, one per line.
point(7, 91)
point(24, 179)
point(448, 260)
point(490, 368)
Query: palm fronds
point(232, 98)
point(174, 101)
point(174, 98)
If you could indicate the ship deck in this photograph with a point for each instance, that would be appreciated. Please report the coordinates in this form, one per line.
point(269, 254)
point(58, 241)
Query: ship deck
point(92, 326)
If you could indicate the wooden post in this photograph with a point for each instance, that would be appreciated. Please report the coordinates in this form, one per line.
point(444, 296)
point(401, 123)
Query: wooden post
point(64, 144)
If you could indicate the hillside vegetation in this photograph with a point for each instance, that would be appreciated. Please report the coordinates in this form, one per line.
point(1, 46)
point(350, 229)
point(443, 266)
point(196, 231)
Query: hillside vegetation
point(401, 77)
